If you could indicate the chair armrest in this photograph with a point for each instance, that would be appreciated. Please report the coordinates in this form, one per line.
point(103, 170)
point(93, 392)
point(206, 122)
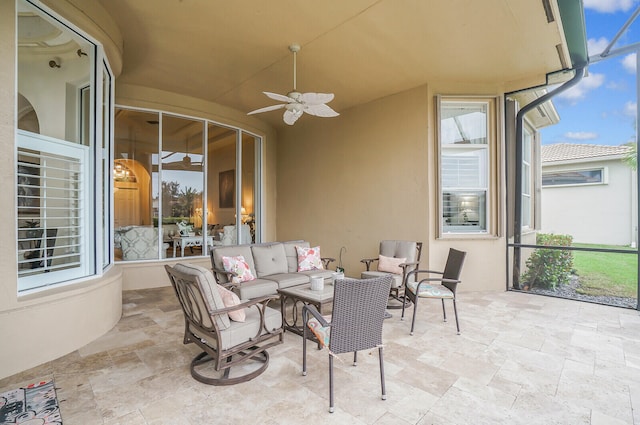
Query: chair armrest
point(308, 308)
point(326, 261)
point(230, 275)
point(419, 271)
point(367, 262)
point(435, 279)
point(249, 303)
point(405, 265)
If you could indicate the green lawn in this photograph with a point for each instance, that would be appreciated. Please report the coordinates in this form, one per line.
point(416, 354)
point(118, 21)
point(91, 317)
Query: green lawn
point(606, 273)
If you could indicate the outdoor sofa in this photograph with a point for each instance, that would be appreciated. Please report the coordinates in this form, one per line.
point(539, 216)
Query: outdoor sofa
point(267, 267)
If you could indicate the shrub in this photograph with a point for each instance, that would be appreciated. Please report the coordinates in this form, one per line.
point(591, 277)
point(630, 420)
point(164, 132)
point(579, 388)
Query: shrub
point(548, 268)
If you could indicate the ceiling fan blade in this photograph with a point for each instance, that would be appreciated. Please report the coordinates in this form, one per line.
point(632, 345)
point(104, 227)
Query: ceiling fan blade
point(266, 109)
point(321, 110)
point(291, 117)
point(278, 97)
point(316, 98)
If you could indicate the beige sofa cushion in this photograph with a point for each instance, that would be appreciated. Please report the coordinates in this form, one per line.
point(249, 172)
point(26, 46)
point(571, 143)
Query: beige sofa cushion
point(269, 259)
point(240, 332)
point(292, 254)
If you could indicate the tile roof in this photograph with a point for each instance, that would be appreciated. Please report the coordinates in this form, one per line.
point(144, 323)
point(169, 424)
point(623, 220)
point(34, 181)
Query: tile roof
point(572, 151)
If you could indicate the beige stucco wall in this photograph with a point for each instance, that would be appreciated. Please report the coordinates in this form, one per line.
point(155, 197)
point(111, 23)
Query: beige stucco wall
point(369, 175)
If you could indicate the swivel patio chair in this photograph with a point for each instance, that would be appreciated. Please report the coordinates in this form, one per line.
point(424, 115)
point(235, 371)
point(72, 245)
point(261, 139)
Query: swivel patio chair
point(416, 288)
point(396, 259)
point(356, 323)
point(226, 343)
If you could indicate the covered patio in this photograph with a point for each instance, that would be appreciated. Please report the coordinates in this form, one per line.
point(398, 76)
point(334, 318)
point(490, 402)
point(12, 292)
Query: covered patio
point(521, 359)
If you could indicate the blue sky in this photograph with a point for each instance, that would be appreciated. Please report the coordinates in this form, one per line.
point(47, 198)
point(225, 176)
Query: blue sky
point(601, 109)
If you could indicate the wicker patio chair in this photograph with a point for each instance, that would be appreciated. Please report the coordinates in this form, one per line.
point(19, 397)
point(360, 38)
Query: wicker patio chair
point(416, 288)
point(356, 323)
point(224, 342)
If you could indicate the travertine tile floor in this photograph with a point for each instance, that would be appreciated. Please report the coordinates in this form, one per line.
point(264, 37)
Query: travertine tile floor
point(521, 359)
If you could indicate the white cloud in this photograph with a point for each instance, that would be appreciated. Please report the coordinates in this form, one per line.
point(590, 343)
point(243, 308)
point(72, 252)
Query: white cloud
point(596, 46)
point(630, 108)
point(608, 6)
point(581, 135)
point(629, 63)
point(580, 90)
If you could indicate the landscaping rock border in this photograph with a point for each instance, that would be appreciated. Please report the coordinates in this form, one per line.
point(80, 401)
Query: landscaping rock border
point(569, 291)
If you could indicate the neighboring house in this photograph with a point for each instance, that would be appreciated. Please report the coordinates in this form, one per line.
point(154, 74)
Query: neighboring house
point(118, 113)
point(588, 192)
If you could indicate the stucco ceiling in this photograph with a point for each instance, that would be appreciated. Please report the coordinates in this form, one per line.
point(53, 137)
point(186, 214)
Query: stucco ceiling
point(230, 51)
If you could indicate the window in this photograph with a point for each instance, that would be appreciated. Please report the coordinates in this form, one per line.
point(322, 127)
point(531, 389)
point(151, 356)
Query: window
point(466, 131)
point(63, 134)
point(527, 178)
point(573, 177)
point(182, 184)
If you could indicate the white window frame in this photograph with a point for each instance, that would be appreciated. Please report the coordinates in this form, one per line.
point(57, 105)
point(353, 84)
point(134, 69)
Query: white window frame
point(489, 168)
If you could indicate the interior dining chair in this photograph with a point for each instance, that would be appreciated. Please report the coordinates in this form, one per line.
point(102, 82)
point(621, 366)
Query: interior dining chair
point(443, 287)
point(355, 324)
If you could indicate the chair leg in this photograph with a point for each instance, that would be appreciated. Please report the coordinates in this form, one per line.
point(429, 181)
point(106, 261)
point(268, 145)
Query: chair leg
point(444, 311)
point(413, 320)
point(384, 389)
point(304, 351)
point(355, 358)
point(405, 304)
point(455, 311)
point(331, 384)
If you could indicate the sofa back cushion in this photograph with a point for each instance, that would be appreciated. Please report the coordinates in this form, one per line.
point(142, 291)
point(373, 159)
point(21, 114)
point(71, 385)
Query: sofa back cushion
point(232, 251)
point(292, 254)
point(269, 259)
point(209, 289)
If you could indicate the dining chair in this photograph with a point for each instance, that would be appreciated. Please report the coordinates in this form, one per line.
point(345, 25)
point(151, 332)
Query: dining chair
point(443, 287)
point(355, 324)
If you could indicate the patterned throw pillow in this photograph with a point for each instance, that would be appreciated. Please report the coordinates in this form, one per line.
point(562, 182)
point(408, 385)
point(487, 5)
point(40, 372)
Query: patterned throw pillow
point(309, 258)
point(390, 264)
point(239, 266)
point(322, 333)
point(230, 299)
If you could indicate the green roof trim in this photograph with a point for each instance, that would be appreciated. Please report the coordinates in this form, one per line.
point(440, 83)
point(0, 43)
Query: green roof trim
point(575, 31)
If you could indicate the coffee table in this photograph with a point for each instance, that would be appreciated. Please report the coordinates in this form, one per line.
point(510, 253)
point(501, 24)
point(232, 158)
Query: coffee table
point(299, 296)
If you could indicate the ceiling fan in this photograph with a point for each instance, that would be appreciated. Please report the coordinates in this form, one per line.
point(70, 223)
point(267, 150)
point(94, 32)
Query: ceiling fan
point(186, 163)
point(297, 103)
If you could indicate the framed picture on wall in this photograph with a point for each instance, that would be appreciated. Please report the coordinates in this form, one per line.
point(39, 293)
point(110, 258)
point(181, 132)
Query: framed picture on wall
point(226, 188)
point(28, 188)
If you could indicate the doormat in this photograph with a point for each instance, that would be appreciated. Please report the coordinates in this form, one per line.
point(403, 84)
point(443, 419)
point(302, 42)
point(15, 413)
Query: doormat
point(35, 404)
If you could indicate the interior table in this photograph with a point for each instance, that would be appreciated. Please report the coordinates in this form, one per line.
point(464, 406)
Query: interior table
point(186, 241)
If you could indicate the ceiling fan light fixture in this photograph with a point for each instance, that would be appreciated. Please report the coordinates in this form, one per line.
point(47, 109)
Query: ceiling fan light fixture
point(297, 103)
